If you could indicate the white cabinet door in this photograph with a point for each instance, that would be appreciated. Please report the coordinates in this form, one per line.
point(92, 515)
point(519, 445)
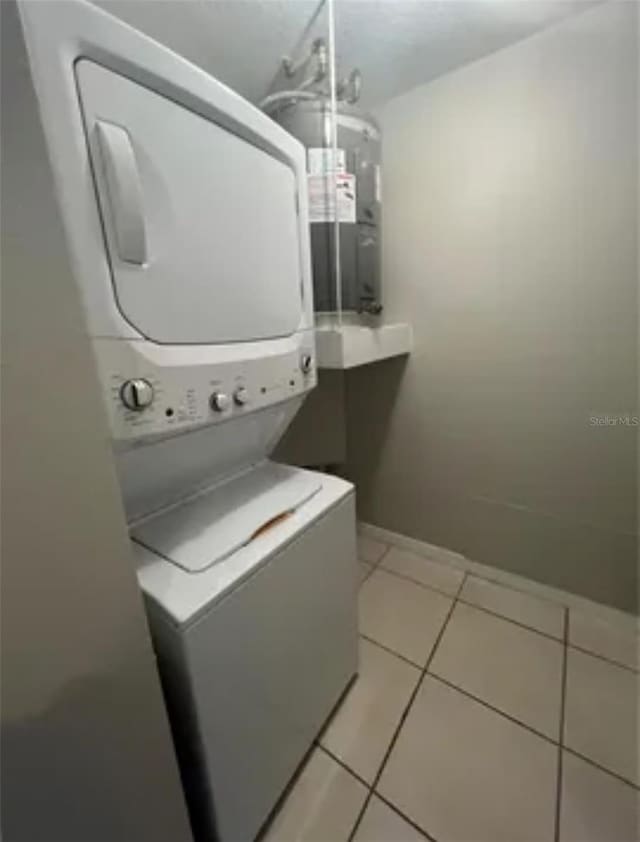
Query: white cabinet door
point(201, 225)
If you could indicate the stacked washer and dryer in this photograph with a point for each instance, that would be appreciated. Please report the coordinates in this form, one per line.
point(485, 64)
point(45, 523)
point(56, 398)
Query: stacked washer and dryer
point(185, 210)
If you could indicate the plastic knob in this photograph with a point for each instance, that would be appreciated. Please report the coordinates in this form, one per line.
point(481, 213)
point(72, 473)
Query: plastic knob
point(306, 363)
point(220, 402)
point(241, 396)
point(137, 394)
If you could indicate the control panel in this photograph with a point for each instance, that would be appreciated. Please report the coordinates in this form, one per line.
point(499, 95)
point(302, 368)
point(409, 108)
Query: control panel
point(146, 398)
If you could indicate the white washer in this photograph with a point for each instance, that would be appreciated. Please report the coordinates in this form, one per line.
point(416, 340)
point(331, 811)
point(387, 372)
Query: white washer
point(255, 651)
point(185, 211)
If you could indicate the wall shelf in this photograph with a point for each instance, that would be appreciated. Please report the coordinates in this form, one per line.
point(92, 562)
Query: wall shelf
point(350, 345)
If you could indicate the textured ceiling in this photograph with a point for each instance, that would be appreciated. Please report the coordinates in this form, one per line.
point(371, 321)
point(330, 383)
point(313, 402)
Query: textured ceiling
point(397, 44)
point(240, 42)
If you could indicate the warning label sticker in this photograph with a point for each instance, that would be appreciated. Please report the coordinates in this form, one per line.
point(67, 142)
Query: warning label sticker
point(322, 197)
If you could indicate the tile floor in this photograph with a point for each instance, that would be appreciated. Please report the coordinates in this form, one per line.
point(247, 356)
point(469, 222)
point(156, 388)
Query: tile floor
point(480, 714)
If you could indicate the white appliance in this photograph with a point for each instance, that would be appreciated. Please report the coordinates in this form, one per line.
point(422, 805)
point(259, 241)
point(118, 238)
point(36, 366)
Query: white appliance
point(185, 210)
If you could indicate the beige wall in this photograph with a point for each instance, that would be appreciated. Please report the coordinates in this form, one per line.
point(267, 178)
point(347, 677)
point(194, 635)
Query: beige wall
point(510, 223)
point(86, 747)
point(317, 435)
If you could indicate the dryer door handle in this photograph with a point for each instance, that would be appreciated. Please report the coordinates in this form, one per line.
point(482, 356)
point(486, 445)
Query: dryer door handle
point(124, 191)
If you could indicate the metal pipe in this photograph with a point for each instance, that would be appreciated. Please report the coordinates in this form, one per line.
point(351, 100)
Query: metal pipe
point(355, 83)
point(334, 145)
point(291, 96)
point(349, 88)
point(319, 50)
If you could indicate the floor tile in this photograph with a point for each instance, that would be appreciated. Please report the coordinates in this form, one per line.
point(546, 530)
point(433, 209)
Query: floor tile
point(401, 615)
point(516, 670)
point(370, 550)
point(610, 638)
point(364, 570)
point(432, 573)
point(601, 713)
point(463, 772)
point(323, 804)
point(382, 824)
point(361, 729)
point(540, 614)
point(595, 806)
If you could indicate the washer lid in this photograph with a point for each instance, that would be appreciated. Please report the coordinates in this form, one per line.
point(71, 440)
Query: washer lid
point(208, 528)
point(183, 598)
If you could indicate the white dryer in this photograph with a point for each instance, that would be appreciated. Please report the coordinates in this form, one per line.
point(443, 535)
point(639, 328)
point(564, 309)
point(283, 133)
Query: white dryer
point(185, 210)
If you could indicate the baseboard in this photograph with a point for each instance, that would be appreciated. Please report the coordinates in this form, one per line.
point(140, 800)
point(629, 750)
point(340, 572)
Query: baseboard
point(420, 547)
point(494, 574)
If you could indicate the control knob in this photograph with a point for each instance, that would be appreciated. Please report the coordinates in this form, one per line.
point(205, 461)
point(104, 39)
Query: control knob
point(220, 402)
point(241, 396)
point(136, 394)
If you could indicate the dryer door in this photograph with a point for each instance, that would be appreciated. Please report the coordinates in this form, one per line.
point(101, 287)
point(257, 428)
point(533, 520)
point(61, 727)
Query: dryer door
point(201, 225)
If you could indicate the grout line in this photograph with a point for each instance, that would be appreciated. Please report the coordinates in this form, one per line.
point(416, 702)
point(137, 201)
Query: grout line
point(404, 817)
point(419, 583)
point(457, 596)
point(515, 622)
point(604, 769)
point(548, 635)
point(603, 658)
point(377, 563)
point(336, 707)
point(493, 578)
point(303, 763)
point(348, 769)
point(564, 642)
point(489, 706)
point(465, 576)
point(542, 736)
point(367, 574)
point(390, 804)
point(463, 601)
point(275, 810)
point(400, 724)
point(563, 697)
point(492, 573)
point(393, 652)
point(374, 564)
point(424, 671)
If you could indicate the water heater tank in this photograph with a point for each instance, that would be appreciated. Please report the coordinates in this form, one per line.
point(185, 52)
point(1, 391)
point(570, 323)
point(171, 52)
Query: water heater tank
point(357, 171)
